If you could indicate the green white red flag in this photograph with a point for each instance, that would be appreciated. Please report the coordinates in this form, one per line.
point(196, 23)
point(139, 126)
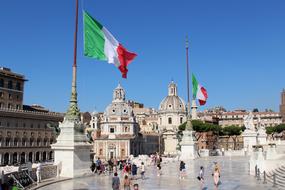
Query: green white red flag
point(199, 92)
point(100, 44)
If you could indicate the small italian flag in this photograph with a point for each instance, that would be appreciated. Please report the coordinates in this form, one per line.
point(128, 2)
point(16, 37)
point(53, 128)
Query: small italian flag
point(199, 92)
point(100, 44)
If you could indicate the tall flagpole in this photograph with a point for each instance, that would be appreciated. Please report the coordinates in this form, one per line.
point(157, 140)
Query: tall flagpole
point(188, 124)
point(73, 112)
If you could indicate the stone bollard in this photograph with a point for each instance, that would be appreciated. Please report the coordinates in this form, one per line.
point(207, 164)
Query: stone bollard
point(258, 174)
point(274, 180)
point(264, 177)
point(255, 170)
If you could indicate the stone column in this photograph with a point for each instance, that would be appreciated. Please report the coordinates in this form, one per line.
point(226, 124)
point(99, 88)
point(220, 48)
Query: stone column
point(1, 159)
point(128, 149)
point(10, 158)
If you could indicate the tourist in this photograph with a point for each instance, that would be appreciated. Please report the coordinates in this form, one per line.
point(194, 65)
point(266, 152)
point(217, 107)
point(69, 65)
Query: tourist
point(134, 170)
point(38, 173)
point(142, 171)
point(116, 182)
point(216, 177)
point(201, 177)
point(98, 165)
point(182, 169)
point(92, 167)
point(158, 166)
point(136, 186)
point(127, 183)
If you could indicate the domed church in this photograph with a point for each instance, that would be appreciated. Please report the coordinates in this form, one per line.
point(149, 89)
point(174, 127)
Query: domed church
point(118, 130)
point(172, 113)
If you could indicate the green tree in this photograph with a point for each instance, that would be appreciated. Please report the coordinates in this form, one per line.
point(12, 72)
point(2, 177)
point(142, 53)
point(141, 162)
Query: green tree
point(232, 131)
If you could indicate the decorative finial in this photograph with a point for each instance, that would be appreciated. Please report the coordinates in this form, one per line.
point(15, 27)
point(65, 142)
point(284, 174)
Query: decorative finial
point(187, 42)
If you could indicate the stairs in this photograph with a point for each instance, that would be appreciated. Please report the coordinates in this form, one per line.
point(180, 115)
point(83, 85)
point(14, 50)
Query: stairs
point(279, 177)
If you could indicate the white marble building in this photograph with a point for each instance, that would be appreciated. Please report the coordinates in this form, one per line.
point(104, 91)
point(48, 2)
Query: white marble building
point(116, 133)
point(171, 114)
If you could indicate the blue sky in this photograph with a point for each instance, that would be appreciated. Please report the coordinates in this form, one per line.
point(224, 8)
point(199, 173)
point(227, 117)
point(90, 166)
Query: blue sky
point(236, 50)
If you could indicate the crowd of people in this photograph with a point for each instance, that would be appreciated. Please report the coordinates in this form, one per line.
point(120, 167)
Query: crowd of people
point(129, 171)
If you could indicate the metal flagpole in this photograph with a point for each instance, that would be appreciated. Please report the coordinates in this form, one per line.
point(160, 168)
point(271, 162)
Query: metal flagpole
point(73, 112)
point(189, 124)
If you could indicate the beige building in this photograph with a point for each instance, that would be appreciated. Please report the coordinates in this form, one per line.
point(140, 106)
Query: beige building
point(236, 118)
point(25, 133)
point(116, 134)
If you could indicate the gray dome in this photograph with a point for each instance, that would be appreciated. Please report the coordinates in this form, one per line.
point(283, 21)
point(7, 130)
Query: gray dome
point(172, 102)
point(118, 109)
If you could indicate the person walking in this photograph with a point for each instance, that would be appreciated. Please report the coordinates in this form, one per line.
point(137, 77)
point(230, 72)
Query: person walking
point(216, 177)
point(134, 170)
point(38, 173)
point(201, 177)
point(127, 183)
point(142, 171)
point(116, 182)
point(158, 166)
point(182, 169)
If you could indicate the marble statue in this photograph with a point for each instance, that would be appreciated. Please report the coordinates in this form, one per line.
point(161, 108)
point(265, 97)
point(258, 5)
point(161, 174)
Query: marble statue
point(248, 122)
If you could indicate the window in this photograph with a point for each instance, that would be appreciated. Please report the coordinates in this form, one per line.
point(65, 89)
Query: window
point(1, 82)
point(10, 96)
point(112, 130)
point(18, 86)
point(181, 120)
point(1, 94)
point(169, 105)
point(18, 106)
point(169, 120)
point(160, 121)
point(10, 84)
point(9, 105)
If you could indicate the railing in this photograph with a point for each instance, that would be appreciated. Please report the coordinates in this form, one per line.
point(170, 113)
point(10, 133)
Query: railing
point(274, 175)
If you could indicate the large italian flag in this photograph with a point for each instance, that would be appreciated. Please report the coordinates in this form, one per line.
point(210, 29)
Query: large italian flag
point(99, 43)
point(199, 92)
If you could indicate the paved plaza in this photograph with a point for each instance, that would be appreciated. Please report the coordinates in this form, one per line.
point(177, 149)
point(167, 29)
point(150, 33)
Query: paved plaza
point(234, 176)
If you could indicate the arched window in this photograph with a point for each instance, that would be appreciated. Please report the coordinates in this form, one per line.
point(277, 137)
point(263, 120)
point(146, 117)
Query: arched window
point(30, 157)
point(6, 158)
point(169, 120)
point(37, 156)
point(15, 155)
point(181, 120)
point(23, 160)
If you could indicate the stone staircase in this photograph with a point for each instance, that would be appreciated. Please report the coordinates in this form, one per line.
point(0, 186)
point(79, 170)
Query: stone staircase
point(279, 177)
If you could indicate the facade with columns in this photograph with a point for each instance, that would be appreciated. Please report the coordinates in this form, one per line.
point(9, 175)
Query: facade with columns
point(116, 133)
point(171, 114)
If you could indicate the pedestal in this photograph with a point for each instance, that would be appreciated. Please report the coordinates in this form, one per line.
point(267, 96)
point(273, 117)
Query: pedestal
point(249, 139)
point(72, 152)
point(188, 146)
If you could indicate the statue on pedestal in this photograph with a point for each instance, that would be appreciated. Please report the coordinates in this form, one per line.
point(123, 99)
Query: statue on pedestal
point(248, 122)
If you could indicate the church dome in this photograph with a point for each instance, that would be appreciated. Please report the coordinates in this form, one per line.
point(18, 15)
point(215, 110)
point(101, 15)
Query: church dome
point(119, 107)
point(172, 102)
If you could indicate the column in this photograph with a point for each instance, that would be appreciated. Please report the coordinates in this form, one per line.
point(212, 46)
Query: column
point(26, 156)
point(1, 159)
point(128, 148)
point(106, 150)
point(10, 158)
